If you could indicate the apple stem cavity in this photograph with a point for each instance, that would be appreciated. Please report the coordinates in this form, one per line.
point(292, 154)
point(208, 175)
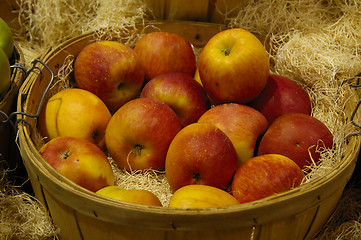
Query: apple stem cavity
point(196, 177)
point(120, 86)
point(95, 135)
point(226, 52)
point(66, 155)
point(137, 149)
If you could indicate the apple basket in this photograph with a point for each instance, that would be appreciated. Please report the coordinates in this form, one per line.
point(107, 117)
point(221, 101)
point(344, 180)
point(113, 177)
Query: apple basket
point(81, 214)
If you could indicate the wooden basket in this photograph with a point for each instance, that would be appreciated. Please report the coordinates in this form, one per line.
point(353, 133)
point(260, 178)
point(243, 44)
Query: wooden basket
point(81, 214)
point(201, 10)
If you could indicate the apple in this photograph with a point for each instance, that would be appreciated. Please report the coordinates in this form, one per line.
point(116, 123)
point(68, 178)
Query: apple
point(297, 136)
point(201, 196)
point(110, 70)
point(197, 77)
point(242, 124)
point(77, 113)
point(139, 133)
point(164, 52)
point(181, 92)
point(265, 175)
point(280, 96)
point(6, 39)
point(200, 154)
point(233, 66)
point(80, 161)
point(5, 73)
point(138, 196)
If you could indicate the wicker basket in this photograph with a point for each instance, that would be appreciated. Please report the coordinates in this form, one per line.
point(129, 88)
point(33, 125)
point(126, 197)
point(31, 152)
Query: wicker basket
point(81, 214)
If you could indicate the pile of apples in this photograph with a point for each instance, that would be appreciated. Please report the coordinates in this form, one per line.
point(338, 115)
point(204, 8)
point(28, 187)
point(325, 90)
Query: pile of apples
point(224, 129)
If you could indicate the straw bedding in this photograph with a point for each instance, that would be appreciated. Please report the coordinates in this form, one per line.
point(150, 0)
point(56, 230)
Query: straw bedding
point(314, 42)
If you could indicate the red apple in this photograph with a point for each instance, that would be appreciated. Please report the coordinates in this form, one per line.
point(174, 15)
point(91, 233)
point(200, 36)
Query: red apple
point(77, 113)
point(200, 154)
point(80, 161)
point(280, 96)
point(242, 124)
point(139, 133)
point(164, 52)
point(297, 136)
point(111, 70)
point(265, 175)
point(233, 66)
point(181, 92)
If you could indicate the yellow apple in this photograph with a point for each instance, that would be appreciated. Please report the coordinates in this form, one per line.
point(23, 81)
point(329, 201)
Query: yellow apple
point(201, 196)
point(6, 39)
point(139, 196)
point(77, 113)
point(80, 161)
point(5, 73)
point(197, 77)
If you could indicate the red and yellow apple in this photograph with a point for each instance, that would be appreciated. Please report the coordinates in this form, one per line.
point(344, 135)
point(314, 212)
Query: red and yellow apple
point(281, 96)
point(164, 52)
point(77, 113)
point(297, 136)
point(242, 124)
point(79, 160)
point(233, 66)
point(201, 196)
point(138, 196)
point(139, 133)
point(110, 70)
point(265, 175)
point(181, 92)
point(200, 154)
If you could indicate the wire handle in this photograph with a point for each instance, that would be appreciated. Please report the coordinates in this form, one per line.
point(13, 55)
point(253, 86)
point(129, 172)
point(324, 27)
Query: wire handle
point(10, 119)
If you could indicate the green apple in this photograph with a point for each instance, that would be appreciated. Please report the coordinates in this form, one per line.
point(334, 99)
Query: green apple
point(6, 39)
point(4, 72)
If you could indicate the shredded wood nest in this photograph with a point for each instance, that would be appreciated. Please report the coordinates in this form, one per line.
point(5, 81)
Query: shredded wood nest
point(313, 42)
point(21, 215)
